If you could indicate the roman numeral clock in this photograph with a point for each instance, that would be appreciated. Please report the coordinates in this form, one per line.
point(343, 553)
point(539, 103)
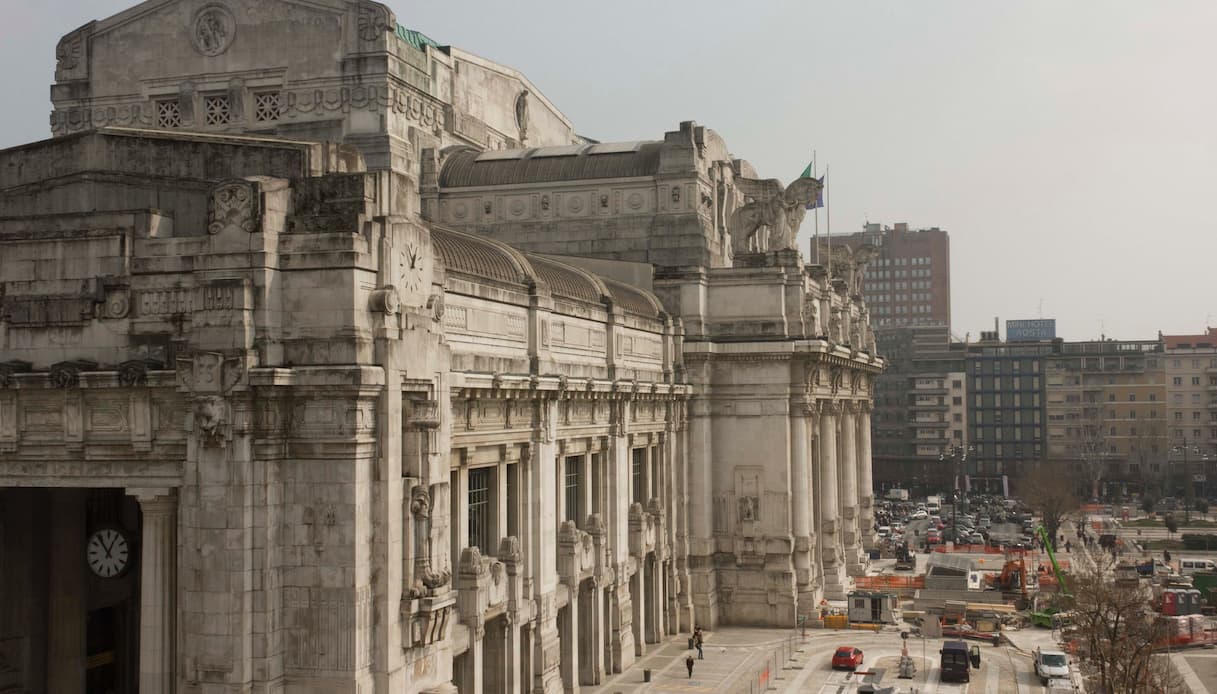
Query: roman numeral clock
point(108, 552)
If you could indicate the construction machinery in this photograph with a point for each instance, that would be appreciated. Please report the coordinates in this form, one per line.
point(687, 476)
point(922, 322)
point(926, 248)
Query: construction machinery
point(1012, 581)
point(1049, 616)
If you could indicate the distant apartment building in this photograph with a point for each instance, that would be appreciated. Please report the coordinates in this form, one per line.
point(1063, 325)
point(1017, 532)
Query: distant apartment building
point(1107, 414)
point(920, 408)
point(1005, 410)
point(909, 282)
point(919, 399)
point(1190, 374)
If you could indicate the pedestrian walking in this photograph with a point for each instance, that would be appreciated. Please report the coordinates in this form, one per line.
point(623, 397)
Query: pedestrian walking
point(689, 664)
point(1068, 547)
point(698, 642)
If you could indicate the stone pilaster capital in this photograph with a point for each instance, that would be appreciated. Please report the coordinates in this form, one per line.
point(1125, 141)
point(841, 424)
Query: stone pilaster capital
point(865, 407)
point(153, 499)
point(830, 407)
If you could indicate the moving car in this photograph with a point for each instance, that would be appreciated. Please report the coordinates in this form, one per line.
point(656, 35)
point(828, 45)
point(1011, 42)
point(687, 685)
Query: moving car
point(1050, 664)
point(847, 657)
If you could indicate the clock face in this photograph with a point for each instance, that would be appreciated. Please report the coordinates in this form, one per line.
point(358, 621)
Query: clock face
point(108, 552)
point(412, 267)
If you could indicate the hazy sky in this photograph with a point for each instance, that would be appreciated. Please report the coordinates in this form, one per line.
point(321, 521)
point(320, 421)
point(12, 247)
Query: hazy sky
point(1068, 147)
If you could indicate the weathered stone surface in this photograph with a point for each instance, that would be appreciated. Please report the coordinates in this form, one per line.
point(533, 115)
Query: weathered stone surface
point(389, 415)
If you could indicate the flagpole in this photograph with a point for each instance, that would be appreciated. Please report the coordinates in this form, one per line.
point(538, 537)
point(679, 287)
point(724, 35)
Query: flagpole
point(828, 219)
point(816, 242)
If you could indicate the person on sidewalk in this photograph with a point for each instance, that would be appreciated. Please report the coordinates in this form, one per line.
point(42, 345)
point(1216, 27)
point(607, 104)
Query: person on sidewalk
point(697, 641)
point(689, 664)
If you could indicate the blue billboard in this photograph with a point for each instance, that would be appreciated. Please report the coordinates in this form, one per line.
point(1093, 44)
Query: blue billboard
point(1030, 330)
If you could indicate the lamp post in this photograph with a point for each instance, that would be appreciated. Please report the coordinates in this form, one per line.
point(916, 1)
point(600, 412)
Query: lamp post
point(959, 455)
point(1189, 484)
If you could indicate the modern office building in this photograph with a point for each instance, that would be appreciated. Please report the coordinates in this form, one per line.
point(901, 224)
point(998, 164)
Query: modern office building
point(908, 282)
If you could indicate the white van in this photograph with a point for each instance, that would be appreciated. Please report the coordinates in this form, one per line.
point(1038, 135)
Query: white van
point(1188, 567)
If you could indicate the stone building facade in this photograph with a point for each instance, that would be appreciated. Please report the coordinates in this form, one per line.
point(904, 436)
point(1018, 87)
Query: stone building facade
point(276, 416)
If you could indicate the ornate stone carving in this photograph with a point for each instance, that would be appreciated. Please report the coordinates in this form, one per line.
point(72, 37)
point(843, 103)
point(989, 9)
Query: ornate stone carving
point(435, 304)
point(424, 414)
point(213, 29)
point(209, 372)
point(835, 326)
point(749, 509)
point(66, 374)
point(134, 372)
point(374, 21)
point(69, 51)
point(210, 413)
point(427, 581)
point(9, 369)
point(522, 115)
point(386, 300)
point(234, 205)
point(775, 207)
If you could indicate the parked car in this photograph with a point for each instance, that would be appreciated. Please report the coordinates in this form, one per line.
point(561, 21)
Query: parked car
point(847, 658)
point(976, 539)
point(920, 514)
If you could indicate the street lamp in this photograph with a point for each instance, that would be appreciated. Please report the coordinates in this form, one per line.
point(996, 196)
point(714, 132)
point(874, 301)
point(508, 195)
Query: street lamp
point(958, 454)
point(1189, 484)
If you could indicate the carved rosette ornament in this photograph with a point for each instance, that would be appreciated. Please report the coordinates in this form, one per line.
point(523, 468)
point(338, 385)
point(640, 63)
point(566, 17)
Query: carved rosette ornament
point(234, 205)
point(213, 29)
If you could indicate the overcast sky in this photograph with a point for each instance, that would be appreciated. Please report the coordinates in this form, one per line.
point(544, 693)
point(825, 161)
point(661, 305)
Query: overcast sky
point(1068, 147)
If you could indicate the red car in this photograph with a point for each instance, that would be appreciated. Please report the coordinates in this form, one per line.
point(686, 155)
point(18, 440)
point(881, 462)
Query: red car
point(847, 657)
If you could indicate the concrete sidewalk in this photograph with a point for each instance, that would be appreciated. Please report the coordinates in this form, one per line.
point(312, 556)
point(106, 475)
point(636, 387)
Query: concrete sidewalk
point(736, 660)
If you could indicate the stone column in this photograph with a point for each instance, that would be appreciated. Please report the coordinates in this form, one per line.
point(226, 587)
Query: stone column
point(830, 541)
point(568, 635)
point(158, 589)
point(801, 504)
point(866, 484)
point(848, 484)
point(67, 592)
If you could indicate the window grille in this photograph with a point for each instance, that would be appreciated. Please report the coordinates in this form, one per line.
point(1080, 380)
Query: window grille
point(266, 107)
point(168, 114)
point(574, 479)
point(216, 110)
point(479, 509)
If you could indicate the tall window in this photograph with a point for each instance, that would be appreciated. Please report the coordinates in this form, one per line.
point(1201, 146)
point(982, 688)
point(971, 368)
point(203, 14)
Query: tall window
point(638, 470)
point(573, 482)
point(480, 510)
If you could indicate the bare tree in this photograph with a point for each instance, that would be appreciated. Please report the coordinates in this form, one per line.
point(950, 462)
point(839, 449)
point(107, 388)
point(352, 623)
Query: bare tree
point(1148, 446)
point(1087, 444)
point(1042, 488)
point(1117, 633)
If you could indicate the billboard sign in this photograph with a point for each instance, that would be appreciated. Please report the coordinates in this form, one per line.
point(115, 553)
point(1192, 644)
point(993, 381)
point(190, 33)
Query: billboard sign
point(1030, 330)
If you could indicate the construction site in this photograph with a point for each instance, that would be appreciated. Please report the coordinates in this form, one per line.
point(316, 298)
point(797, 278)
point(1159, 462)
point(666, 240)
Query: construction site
point(1020, 587)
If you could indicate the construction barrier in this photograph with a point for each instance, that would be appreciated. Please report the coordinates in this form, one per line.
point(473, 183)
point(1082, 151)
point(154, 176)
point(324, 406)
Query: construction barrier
point(836, 621)
point(893, 583)
point(968, 549)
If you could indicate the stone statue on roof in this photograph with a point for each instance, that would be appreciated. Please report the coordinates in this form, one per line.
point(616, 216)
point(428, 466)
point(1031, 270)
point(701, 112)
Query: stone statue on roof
point(773, 207)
